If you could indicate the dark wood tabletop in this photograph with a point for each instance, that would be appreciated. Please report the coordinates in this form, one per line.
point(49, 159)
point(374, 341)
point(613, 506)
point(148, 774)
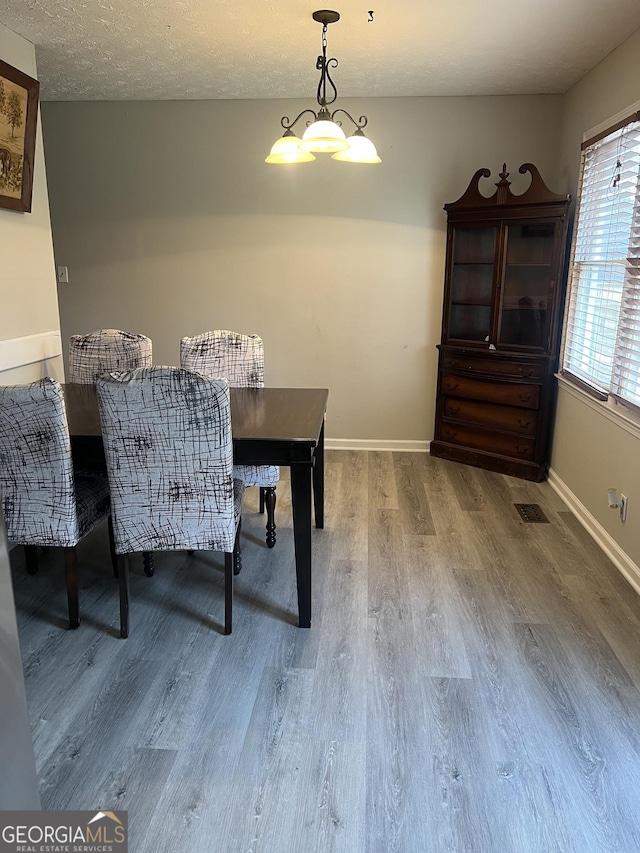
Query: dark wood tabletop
point(265, 414)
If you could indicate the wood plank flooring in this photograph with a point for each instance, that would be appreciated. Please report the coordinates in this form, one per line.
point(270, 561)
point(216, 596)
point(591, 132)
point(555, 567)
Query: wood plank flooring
point(470, 682)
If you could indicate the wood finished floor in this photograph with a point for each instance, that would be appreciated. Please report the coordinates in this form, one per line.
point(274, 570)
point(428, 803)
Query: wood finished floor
point(470, 682)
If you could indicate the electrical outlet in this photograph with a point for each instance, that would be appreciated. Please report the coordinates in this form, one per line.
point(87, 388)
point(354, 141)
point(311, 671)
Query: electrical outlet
point(624, 500)
point(63, 275)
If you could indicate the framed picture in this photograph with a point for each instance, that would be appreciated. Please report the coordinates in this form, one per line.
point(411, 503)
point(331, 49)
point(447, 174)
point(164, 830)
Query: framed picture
point(18, 116)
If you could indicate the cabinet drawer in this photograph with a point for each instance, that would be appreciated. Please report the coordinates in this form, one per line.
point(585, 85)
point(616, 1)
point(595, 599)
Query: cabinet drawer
point(501, 417)
point(515, 446)
point(507, 394)
point(494, 366)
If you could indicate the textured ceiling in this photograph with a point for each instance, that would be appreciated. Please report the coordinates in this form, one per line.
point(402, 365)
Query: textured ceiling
point(177, 49)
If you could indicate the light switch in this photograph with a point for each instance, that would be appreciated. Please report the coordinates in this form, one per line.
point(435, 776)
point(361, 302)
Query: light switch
point(63, 275)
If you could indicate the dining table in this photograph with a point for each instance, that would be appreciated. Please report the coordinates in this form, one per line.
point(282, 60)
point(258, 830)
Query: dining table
point(270, 426)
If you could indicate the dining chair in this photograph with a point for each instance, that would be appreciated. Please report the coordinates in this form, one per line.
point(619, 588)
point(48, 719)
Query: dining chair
point(46, 503)
point(239, 359)
point(169, 454)
point(105, 350)
point(101, 352)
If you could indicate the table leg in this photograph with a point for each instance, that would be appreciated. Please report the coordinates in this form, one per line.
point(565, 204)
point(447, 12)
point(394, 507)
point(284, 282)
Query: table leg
point(301, 505)
point(318, 480)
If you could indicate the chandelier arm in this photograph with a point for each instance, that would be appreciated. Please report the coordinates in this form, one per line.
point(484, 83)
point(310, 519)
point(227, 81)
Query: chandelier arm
point(284, 121)
point(360, 124)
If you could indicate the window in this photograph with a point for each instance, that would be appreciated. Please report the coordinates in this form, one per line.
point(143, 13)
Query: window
point(602, 329)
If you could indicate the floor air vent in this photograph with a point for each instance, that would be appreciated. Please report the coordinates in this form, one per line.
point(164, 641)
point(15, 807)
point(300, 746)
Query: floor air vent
point(532, 513)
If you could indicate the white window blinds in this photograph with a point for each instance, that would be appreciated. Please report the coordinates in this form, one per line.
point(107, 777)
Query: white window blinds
point(602, 329)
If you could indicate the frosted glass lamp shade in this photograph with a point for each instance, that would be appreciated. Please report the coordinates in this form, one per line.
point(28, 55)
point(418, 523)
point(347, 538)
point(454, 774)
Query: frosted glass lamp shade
point(360, 150)
point(324, 137)
point(287, 150)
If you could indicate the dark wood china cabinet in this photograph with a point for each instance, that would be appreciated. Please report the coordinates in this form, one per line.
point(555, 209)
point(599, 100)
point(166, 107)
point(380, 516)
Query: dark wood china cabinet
point(500, 326)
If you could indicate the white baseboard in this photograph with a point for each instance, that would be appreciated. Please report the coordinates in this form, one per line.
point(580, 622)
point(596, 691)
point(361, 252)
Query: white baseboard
point(376, 444)
point(604, 540)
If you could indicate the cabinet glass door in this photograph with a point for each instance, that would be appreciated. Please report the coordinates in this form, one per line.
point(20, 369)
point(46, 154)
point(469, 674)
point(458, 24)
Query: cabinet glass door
point(472, 275)
point(527, 277)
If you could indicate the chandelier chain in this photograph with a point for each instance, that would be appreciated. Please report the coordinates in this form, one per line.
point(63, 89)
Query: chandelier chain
point(322, 65)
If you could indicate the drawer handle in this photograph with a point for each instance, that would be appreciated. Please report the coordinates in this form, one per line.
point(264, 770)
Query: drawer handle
point(453, 362)
point(526, 374)
point(453, 410)
point(523, 424)
point(520, 449)
point(524, 399)
point(451, 386)
point(450, 433)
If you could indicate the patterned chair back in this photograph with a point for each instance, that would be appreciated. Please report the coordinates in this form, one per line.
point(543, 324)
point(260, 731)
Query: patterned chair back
point(240, 360)
point(104, 351)
point(237, 358)
point(36, 472)
point(168, 446)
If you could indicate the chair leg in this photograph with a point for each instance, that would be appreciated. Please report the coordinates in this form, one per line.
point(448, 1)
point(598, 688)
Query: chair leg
point(261, 508)
point(270, 501)
point(237, 551)
point(31, 559)
point(112, 548)
point(71, 572)
point(123, 583)
point(148, 564)
point(229, 569)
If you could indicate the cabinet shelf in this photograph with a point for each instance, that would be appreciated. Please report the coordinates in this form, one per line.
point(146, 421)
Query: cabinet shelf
point(473, 263)
point(526, 264)
point(470, 302)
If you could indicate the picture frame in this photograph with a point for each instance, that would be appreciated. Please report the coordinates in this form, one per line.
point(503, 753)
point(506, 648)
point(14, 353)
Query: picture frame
point(18, 119)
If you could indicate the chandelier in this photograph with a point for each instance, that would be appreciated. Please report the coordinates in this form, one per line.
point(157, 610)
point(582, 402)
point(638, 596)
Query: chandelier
point(324, 134)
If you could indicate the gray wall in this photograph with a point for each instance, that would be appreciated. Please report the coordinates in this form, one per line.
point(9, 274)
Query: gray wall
point(591, 452)
point(171, 223)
